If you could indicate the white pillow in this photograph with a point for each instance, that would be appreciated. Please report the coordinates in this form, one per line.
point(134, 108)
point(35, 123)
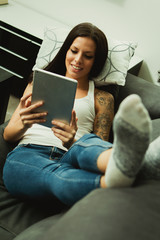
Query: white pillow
point(115, 68)
point(117, 63)
point(52, 42)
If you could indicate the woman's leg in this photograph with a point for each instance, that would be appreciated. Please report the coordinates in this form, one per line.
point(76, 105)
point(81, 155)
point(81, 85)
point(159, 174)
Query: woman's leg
point(34, 172)
point(85, 152)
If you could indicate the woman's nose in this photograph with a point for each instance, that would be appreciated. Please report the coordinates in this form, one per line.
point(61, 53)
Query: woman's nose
point(78, 58)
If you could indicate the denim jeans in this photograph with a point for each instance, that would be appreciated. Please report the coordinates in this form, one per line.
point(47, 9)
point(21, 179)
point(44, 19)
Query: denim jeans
point(37, 171)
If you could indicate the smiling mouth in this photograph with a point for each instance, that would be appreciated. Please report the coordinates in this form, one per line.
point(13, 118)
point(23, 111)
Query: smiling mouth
point(76, 68)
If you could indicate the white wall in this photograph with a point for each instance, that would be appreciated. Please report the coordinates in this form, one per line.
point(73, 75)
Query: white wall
point(136, 20)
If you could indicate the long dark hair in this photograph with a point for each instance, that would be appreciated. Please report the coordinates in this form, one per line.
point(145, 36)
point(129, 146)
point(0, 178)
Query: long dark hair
point(57, 65)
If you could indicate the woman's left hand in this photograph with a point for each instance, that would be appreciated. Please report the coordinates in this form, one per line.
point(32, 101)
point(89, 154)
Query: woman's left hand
point(66, 132)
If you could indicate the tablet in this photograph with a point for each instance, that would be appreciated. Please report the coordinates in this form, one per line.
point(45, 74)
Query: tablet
point(57, 92)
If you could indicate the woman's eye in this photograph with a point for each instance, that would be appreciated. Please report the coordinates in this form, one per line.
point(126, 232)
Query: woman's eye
point(73, 51)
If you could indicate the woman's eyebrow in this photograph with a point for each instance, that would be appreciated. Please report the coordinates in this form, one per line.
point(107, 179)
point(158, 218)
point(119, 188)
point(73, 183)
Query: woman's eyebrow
point(74, 46)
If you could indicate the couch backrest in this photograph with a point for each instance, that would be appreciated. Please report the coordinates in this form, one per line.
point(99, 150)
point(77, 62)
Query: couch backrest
point(149, 93)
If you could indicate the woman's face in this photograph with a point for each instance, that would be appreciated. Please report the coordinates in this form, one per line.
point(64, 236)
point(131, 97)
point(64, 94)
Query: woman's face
point(80, 58)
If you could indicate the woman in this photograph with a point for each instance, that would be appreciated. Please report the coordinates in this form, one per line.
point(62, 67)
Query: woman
point(68, 161)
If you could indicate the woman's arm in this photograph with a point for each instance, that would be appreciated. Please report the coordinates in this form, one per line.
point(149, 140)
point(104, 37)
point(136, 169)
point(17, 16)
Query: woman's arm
point(23, 118)
point(104, 106)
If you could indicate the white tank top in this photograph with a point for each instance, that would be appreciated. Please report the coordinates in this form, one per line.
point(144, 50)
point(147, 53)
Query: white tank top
point(85, 112)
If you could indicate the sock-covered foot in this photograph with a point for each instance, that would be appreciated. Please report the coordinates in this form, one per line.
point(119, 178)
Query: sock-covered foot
point(151, 165)
point(131, 126)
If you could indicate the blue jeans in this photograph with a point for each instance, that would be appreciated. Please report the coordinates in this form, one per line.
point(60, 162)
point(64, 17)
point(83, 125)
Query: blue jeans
point(37, 171)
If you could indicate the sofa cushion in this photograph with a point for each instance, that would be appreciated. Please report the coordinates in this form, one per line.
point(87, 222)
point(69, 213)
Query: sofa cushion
point(155, 129)
point(128, 213)
point(18, 214)
point(39, 229)
point(148, 92)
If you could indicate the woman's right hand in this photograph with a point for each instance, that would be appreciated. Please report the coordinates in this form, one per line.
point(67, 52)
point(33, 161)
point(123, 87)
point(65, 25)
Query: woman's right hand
point(23, 117)
point(27, 111)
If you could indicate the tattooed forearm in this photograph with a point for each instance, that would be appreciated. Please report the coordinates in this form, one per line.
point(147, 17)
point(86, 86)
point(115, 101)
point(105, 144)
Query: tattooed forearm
point(102, 121)
point(104, 114)
point(102, 126)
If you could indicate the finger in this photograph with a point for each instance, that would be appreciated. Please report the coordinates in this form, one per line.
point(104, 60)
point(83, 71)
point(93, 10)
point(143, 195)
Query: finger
point(30, 110)
point(26, 122)
point(33, 116)
point(31, 122)
point(74, 120)
point(64, 129)
point(62, 132)
point(28, 102)
point(60, 124)
point(65, 140)
point(24, 98)
point(62, 138)
point(34, 106)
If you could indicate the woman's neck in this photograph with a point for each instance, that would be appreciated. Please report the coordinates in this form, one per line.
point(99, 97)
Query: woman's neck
point(82, 89)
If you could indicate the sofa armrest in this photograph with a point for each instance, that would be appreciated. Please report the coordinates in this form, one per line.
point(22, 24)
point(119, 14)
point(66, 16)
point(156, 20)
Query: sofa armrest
point(149, 93)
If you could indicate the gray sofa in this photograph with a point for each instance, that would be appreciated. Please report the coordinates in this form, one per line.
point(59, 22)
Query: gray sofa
point(114, 214)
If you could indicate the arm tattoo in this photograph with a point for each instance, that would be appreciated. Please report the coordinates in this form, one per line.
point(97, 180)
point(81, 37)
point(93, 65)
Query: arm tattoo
point(101, 100)
point(104, 116)
point(102, 125)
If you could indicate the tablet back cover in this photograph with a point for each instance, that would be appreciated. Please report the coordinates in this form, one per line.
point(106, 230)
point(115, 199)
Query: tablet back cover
point(57, 92)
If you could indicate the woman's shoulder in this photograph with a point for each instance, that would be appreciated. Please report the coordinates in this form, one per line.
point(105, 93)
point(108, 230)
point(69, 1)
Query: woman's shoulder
point(103, 95)
point(103, 100)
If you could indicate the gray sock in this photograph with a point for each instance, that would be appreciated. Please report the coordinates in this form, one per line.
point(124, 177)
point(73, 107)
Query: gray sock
point(151, 165)
point(132, 126)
